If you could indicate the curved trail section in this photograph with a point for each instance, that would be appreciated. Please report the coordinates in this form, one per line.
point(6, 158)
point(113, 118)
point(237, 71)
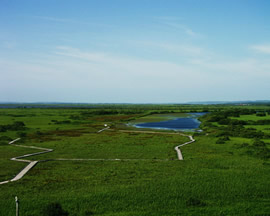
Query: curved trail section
point(177, 149)
point(19, 159)
point(45, 150)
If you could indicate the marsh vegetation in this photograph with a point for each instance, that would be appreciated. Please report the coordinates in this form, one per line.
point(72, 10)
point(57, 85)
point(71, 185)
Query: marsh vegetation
point(225, 172)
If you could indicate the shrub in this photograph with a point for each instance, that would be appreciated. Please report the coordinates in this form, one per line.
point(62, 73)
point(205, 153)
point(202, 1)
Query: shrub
point(195, 202)
point(38, 133)
point(5, 138)
point(258, 143)
point(3, 128)
point(2, 143)
point(18, 125)
point(21, 134)
point(54, 209)
point(264, 153)
point(261, 114)
point(88, 213)
point(262, 122)
point(222, 140)
point(243, 145)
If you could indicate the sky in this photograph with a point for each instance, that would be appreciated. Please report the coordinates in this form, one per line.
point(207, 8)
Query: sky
point(141, 51)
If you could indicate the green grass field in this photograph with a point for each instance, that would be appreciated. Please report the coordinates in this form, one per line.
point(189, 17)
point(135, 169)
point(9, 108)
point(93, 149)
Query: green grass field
point(264, 128)
point(252, 117)
point(213, 179)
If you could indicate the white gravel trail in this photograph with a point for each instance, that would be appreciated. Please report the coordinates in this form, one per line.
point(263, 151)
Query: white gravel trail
point(45, 150)
point(31, 163)
point(177, 148)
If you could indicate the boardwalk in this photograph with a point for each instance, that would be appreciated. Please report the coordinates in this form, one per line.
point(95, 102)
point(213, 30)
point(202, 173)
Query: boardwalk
point(45, 150)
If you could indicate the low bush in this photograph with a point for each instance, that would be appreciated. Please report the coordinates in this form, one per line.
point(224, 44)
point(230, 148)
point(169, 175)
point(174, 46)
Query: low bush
point(54, 209)
point(261, 114)
point(258, 143)
point(5, 138)
point(17, 125)
point(222, 140)
point(193, 202)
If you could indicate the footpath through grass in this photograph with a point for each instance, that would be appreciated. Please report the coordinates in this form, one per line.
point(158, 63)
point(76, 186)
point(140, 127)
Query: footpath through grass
point(213, 179)
point(114, 144)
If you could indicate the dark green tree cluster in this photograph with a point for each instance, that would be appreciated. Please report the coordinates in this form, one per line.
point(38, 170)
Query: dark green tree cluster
point(16, 126)
point(54, 209)
point(233, 127)
point(61, 122)
point(261, 114)
point(222, 140)
point(257, 149)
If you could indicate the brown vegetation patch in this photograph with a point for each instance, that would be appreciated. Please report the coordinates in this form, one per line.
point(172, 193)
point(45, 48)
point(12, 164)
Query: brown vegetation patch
point(111, 133)
point(133, 134)
point(42, 137)
point(70, 133)
point(53, 135)
point(114, 117)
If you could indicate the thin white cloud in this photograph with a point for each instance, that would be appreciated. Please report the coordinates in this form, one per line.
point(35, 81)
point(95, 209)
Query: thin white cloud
point(76, 53)
point(244, 68)
point(119, 65)
point(199, 66)
point(186, 29)
point(190, 32)
point(72, 21)
point(200, 62)
point(187, 50)
point(174, 23)
point(84, 75)
point(264, 48)
point(54, 19)
point(169, 18)
point(9, 44)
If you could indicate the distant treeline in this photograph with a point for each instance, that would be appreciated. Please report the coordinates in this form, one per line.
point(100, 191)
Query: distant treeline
point(223, 117)
point(16, 126)
point(234, 127)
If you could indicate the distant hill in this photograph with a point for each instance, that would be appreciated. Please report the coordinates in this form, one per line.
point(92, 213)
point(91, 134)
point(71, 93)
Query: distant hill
point(97, 105)
point(231, 102)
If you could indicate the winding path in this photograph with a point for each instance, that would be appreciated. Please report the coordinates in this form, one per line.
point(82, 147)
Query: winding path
point(19, 159)
point(177, 149)
point(106, 128)
point(45, 150)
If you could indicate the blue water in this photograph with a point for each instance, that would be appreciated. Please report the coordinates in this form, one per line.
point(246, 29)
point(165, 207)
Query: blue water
point(188, 123)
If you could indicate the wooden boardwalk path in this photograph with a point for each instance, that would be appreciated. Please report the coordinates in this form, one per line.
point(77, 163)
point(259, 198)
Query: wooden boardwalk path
point(45, 150)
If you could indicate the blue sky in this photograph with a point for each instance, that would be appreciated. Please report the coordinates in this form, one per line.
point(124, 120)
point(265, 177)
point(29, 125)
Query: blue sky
point(147, 51)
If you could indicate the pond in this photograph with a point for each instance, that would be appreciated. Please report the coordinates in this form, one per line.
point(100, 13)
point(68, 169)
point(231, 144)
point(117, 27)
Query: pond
point(190, 122)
